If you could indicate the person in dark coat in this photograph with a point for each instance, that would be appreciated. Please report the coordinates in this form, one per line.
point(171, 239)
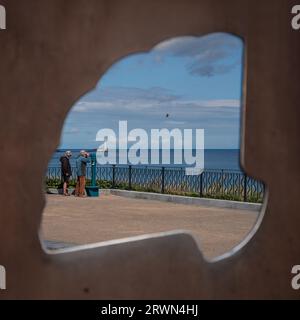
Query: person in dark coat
point(66, 171)
point(81, 162)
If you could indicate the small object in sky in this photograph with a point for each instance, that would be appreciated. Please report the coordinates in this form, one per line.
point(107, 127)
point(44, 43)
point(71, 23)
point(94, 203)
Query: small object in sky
point(167, 115)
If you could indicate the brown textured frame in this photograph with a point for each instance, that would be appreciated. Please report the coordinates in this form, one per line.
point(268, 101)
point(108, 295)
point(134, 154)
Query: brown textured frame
point(52, 52)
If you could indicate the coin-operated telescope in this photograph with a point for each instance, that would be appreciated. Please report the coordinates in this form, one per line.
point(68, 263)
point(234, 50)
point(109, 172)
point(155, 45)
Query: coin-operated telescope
point(93, 189)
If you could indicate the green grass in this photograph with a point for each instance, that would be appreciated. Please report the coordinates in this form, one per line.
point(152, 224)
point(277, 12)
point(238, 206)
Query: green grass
point(215, 191)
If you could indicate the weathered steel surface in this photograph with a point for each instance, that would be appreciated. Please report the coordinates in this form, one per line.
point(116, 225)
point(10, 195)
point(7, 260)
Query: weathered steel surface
point(53, 52)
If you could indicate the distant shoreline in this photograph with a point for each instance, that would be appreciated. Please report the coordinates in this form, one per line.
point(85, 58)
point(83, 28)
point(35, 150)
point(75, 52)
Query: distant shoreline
point(227, 159)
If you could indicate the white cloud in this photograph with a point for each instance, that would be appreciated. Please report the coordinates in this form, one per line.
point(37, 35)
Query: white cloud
point(72, 130)
point(148, 110)
point(172, 45)
point(152, 101)
point(217, 103)
point(209, 55)
point(90, 106)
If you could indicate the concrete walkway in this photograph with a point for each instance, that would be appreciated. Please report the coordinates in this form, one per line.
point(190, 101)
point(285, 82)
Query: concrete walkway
point(88, 220)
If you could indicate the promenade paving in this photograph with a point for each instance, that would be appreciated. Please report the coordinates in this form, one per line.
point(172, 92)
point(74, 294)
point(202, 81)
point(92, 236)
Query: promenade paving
point(87, 220)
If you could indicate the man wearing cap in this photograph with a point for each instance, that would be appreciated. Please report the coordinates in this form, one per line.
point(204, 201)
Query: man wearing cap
point(81, 163)
point(66, 171)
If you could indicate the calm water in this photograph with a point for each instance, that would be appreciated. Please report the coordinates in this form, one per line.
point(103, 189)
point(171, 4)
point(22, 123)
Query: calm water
point(214, 159)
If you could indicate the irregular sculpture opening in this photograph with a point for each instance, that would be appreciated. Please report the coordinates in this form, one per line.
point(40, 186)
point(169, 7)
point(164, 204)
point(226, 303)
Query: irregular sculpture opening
point(185, 83)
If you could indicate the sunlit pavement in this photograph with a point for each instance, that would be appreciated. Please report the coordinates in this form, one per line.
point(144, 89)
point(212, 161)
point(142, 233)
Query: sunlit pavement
point(71, 220)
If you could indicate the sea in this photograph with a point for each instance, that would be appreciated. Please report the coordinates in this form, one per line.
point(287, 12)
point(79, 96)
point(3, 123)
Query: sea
point(214, 159)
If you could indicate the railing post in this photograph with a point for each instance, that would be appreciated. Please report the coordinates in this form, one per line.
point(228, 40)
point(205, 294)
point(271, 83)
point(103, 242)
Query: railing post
point(245, 188)
point(93, 168)
point(163, 180)
point(182, 179)
point(201, 185)
point(222, 182)
point(129, 177)
point(114, 176)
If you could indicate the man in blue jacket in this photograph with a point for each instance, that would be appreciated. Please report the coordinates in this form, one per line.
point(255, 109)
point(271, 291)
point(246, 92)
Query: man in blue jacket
point(81, 163)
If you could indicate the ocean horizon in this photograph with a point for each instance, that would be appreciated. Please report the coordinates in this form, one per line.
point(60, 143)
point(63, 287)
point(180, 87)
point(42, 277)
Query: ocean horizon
point(216, 159)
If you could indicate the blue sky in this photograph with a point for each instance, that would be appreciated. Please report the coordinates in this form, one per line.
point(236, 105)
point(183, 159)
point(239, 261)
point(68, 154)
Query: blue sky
point(196, 80)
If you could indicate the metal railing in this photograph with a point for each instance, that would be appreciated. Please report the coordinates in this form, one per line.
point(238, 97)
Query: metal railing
point(218, 184)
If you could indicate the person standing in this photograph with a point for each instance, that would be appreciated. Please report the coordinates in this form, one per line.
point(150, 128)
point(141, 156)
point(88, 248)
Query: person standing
point(66, 171)
point(81, 162)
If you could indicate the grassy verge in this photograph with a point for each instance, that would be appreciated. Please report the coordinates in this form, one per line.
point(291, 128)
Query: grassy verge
point(212, 193)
